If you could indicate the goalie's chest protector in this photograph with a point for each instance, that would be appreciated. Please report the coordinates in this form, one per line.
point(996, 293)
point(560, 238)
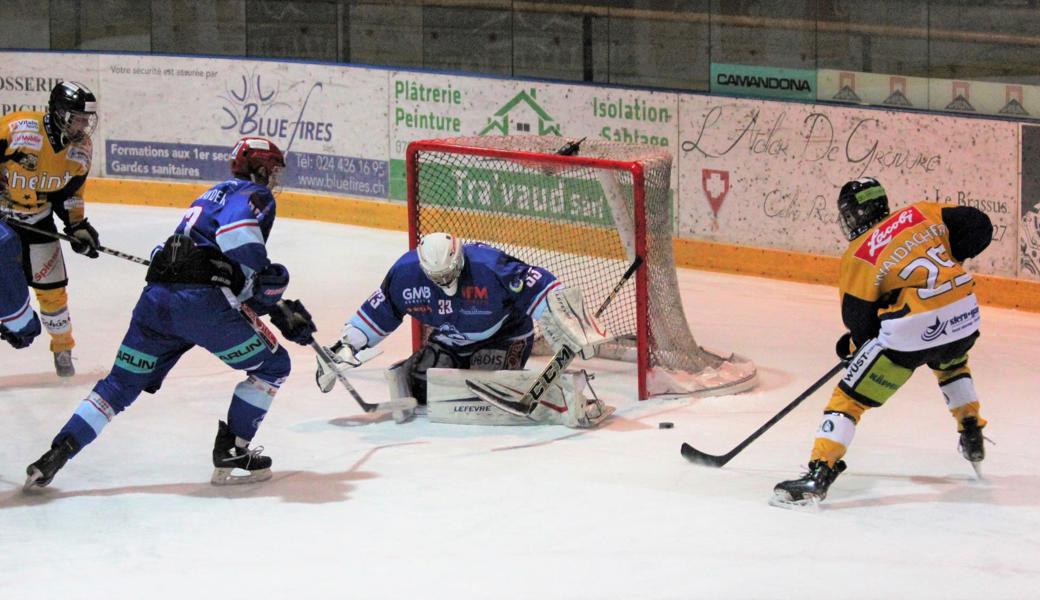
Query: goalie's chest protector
point(480, 309)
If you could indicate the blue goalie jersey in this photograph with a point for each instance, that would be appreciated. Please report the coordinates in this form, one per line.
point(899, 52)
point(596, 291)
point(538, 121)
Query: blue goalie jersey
point(497, 298)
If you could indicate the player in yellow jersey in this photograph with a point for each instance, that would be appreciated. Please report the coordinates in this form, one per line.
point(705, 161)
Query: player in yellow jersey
point(45, 158)
point(907, 301)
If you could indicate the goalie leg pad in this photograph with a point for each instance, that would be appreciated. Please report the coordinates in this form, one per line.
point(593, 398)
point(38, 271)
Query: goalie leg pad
point(568, 392)
point(564, 402)
point(450, 401)
point(399, 385)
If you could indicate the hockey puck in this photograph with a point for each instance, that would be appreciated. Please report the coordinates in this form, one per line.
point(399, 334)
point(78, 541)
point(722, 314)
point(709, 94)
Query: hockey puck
point(665, 425)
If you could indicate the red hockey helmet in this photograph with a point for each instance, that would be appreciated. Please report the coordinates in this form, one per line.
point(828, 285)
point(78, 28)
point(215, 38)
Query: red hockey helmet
point(257, 159)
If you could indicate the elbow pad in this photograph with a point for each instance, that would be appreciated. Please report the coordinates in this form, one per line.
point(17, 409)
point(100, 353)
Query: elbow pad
point(971, 231)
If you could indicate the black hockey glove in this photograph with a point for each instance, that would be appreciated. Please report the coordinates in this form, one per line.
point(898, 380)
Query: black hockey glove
point(23, 337)
point(86, 238)
point(845, 348)
point(293, 320)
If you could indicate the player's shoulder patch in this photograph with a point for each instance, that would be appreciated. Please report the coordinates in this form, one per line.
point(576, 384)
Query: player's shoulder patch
point(26, 125)
point(26, 140)
point(875, 242)
point(25, 134)
point(80, 154)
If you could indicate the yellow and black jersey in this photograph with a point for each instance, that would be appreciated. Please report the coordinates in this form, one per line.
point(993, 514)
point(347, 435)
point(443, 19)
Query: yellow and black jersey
point(42, 174)
point(903, 280)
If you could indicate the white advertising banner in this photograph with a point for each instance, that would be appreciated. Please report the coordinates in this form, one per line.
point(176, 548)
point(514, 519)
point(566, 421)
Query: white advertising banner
point(177, 118)
point(427, 105)
point(748, 172)
point(767, 174)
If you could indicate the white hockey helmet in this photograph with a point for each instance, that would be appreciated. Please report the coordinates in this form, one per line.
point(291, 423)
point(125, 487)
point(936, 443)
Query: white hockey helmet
point(441, 259)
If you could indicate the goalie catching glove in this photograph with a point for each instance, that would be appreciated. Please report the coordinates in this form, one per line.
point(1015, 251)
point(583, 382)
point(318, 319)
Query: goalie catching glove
point(566, 322)
point(343, 354)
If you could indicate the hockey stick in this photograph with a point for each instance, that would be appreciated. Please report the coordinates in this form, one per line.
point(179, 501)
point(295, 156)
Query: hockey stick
point(254, 321)
point(271, 341)
point(401, 404)
point(71, 240)
point(710, 460)
point(523, 405)
point(248, 314)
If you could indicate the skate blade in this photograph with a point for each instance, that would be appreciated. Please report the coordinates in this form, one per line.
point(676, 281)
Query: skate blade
point(30, 481)
point(809, 504)
point(977, 465)
point(225, 476)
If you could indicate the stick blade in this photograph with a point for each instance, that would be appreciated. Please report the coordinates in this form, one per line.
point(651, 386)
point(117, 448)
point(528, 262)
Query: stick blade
point(700, 458)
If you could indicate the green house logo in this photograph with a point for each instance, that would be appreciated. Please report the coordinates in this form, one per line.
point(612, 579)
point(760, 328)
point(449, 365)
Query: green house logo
point(522, 115)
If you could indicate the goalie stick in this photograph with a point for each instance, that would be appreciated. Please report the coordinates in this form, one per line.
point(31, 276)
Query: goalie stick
point(401, 404)
point(710, 460)
point(523, 404)
point(265, 334)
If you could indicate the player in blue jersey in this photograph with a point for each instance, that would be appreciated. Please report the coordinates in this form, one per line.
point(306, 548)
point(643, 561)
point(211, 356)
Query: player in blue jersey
point(19, 324)
point(479, 303)
point(202, 283)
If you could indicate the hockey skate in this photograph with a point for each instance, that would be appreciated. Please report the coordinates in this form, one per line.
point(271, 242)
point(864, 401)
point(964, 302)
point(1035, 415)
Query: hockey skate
point(971, 444)
point(63, 363)
point(808, 491)
point(41, 472)
point(228, 455)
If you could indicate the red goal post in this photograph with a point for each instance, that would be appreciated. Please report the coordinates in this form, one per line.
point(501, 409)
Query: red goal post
point(584, 217)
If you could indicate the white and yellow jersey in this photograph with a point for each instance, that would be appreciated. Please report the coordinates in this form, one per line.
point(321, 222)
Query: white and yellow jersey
point(38, 175)
point(903, 271)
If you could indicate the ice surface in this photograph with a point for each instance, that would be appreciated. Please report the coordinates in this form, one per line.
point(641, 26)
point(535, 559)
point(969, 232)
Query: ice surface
point(363, 509)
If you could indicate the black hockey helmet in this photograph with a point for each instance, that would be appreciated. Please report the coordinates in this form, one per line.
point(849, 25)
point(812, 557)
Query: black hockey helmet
point(73, 110)
point(862, 203)
point(257, 159)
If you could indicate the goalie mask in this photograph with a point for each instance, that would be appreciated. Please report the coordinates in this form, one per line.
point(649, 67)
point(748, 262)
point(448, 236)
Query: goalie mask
point(862, 203)
point(72, 108)
point(441, 259)
point(258, 160)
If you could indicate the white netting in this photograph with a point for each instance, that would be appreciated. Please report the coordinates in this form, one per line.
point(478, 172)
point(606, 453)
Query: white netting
point(578, 221)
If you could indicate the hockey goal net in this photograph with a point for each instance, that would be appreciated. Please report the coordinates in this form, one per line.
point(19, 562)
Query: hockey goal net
point(584, 215)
